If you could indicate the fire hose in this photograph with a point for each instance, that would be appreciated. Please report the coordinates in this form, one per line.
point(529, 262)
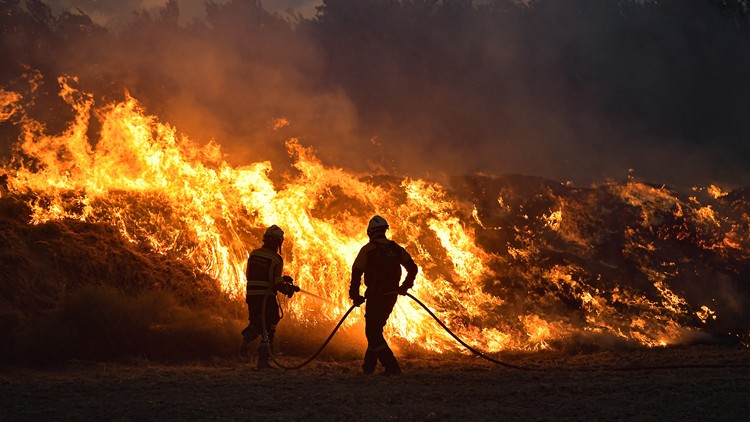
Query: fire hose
point(314, 355)
point(458, 339)
point(341, 321)
point(612, 368)
point(475, 351)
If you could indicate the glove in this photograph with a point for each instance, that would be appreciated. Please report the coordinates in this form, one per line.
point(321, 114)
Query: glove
point(286, 287)
point(403, 289)
point(354, 295)
point(358, 300)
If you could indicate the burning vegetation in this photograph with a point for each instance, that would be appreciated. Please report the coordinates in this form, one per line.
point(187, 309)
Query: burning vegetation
point(126, 234)
point(135, 241)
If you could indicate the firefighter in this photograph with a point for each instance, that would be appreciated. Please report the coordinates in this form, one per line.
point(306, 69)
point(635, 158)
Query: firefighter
point(264, 280)
point(380, 261)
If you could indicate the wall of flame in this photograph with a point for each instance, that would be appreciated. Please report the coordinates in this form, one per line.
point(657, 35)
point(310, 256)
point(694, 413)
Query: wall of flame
point(183, 200)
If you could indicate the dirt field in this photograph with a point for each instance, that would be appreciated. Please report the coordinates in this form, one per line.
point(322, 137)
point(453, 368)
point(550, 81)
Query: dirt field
point(572, 387)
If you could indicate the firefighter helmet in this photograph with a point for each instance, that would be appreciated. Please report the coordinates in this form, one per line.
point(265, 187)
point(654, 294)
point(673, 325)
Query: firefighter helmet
point(274, 232)
point(377, 223)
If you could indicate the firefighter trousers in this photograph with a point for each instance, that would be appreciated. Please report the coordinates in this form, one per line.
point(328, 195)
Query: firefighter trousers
point(255, 327)
point(377, 311)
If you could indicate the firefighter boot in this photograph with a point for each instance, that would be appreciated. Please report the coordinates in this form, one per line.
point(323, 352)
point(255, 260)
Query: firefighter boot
point(389, 362)
point(371, 360)
point(263, 356)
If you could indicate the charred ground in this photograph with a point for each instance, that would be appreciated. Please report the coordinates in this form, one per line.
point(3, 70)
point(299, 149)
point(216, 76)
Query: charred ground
point(436, 388)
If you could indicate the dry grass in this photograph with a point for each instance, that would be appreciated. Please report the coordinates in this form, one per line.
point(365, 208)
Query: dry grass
point(74, 290)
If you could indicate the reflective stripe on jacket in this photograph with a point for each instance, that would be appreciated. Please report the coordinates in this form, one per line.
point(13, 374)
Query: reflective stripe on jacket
point(264, 267)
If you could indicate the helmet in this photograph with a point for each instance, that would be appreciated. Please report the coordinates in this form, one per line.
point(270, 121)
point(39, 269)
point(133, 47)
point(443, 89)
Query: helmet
point(275, 232)
point(377, 223)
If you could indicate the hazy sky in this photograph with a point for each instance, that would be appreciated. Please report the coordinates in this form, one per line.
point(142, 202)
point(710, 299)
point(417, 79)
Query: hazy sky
point(572, 90)
point(111, 12)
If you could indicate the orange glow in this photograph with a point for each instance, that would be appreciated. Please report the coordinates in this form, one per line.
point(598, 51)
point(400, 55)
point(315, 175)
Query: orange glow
point(181, 199)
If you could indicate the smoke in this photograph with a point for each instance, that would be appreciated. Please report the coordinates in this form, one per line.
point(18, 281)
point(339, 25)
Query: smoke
point(117, 14)
point(573, 90)
point(579, 90)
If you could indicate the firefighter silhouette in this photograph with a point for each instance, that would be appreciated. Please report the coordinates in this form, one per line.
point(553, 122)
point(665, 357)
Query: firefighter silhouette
point(264, 280)
point(380, 261)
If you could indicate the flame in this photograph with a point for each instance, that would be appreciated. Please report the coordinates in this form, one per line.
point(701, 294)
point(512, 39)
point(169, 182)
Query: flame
point(705, 314)
point(181, 199)
point(8, 104)
point(650, 200)
point(554, 220)
point(280, 123)
point(715, 191)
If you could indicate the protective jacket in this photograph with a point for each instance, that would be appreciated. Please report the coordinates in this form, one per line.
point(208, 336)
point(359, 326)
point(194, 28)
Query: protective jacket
point(264, 267)
point(380, 261)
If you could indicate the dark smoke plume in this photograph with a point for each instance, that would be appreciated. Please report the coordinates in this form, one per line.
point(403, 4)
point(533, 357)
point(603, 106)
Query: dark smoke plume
point(579, 90)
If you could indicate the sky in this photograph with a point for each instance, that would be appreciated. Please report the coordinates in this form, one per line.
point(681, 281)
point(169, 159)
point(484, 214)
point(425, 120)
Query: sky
point(111, 13)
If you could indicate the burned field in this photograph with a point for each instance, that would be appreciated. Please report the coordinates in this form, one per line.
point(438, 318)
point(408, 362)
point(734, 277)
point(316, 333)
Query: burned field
point(435, 387)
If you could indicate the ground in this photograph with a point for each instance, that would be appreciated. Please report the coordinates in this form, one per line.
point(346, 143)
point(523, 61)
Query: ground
point(703, 383)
